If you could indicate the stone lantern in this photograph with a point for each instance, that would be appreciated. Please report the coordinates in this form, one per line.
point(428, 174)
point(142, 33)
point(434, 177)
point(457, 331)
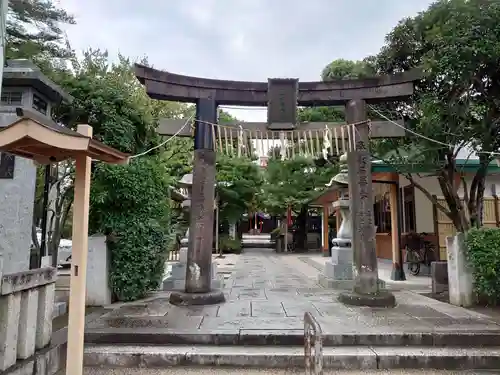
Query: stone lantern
point(176, 274)
point(338, 272)
point(25, 87)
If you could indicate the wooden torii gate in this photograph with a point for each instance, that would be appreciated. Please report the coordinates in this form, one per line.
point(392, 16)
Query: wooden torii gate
point(282, 97)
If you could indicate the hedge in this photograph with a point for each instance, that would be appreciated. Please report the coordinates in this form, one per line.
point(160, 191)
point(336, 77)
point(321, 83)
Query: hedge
point(484, 256)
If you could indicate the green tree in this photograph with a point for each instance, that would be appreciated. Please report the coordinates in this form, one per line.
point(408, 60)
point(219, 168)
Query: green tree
point(293, 183)
point(337, 70)
point(34, 31)
point(348, 69)
point(239, 187)
point(457, 44)
point(130, 205)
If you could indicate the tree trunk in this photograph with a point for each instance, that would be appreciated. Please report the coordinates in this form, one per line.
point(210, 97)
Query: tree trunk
point(301, 232)
point(476, 195)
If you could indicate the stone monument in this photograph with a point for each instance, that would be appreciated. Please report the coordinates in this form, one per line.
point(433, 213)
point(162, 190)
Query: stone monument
point(24, 86)
point(175, 278)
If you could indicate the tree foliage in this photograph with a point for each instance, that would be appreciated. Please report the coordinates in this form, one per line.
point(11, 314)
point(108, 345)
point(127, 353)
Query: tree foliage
point(34, 31)
point(239, 186)
point(457, 44)
point(130, 205)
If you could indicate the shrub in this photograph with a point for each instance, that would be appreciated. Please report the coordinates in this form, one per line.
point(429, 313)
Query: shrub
point(230, 245)
point(484, 255)
point(129, 204)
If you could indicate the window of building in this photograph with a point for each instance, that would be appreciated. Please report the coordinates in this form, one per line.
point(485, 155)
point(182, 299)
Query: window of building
point(7, 164)
point(39, 104)
point(12, 98)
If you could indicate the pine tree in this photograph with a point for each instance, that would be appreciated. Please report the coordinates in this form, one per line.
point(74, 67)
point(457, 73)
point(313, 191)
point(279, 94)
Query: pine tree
point(34, 30)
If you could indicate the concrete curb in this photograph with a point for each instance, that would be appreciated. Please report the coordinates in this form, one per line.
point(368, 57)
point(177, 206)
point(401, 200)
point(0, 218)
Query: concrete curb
point(355, 357)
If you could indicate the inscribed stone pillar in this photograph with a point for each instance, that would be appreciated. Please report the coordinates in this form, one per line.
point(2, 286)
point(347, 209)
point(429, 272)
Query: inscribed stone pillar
point(366, 289)
point(199, 256)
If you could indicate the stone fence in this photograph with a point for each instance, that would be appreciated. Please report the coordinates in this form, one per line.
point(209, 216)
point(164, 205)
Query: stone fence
point(26, 307)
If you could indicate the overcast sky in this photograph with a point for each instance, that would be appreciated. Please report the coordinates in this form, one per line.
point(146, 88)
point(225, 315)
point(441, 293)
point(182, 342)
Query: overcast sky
point(238, 39)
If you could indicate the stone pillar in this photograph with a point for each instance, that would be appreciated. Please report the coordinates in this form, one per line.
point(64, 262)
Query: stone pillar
point(199, 257)
point(27, 323)
point(10, 308)
point(46, 296)
point(98, 291)
point(460, 273)
point(366, 291)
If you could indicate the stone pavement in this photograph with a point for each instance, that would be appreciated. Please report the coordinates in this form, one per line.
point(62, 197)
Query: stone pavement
point(267, 296)
point(420, 283)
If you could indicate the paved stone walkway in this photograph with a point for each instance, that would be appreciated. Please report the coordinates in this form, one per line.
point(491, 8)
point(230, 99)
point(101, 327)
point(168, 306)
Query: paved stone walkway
point(268, 292)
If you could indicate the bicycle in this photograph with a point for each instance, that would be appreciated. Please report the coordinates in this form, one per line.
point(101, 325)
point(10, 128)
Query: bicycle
point(418, 251)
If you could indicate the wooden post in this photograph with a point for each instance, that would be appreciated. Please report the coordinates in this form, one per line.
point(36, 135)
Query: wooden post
point(338, 219)
point(326, 247)
point(397, 266)
point(497, 215)
point(76, 322)
point(286, 230)
point(436, 227)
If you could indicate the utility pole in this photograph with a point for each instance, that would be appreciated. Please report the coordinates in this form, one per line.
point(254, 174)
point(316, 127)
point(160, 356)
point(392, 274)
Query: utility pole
point(3, 37)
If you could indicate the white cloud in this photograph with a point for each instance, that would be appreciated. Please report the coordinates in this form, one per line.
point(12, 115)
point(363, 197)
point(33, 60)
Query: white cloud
point(238, 39)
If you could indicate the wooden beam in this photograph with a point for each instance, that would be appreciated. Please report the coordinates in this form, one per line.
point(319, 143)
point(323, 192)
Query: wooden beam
point(77, 293)
point(379, 129)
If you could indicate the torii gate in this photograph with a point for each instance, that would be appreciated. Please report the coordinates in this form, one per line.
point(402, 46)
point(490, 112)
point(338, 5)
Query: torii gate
point(282, 97)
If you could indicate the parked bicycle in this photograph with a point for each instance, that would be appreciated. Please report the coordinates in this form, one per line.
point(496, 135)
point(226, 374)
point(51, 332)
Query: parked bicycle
point(418, 251)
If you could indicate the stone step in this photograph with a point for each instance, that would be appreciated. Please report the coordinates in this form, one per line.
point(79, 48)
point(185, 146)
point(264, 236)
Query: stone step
point(257, 245)
point(144, 335)
point(213, 370)
point(354, 358)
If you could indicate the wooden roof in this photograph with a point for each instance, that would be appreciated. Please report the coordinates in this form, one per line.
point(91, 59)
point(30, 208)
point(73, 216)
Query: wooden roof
point(36, 137)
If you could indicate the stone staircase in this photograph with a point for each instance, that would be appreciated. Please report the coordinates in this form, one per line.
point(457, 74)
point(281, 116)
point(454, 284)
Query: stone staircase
point(256, 241)
point(284, 350)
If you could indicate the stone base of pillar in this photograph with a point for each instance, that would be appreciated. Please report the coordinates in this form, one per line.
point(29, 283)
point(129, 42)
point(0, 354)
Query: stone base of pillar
point(213, 297)
point(383, 298)
point(338, 273)
point(176, 280)
point(330, 283)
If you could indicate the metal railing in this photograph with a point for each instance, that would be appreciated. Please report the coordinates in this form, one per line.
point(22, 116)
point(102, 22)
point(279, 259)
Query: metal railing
point(313, 336)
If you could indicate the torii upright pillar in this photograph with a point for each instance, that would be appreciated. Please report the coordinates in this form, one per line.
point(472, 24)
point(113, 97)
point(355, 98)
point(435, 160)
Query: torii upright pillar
point(198, 290)
point(367, 290)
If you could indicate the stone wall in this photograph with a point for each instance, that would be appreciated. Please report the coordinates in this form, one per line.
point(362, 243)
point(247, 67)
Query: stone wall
point(26, 310)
